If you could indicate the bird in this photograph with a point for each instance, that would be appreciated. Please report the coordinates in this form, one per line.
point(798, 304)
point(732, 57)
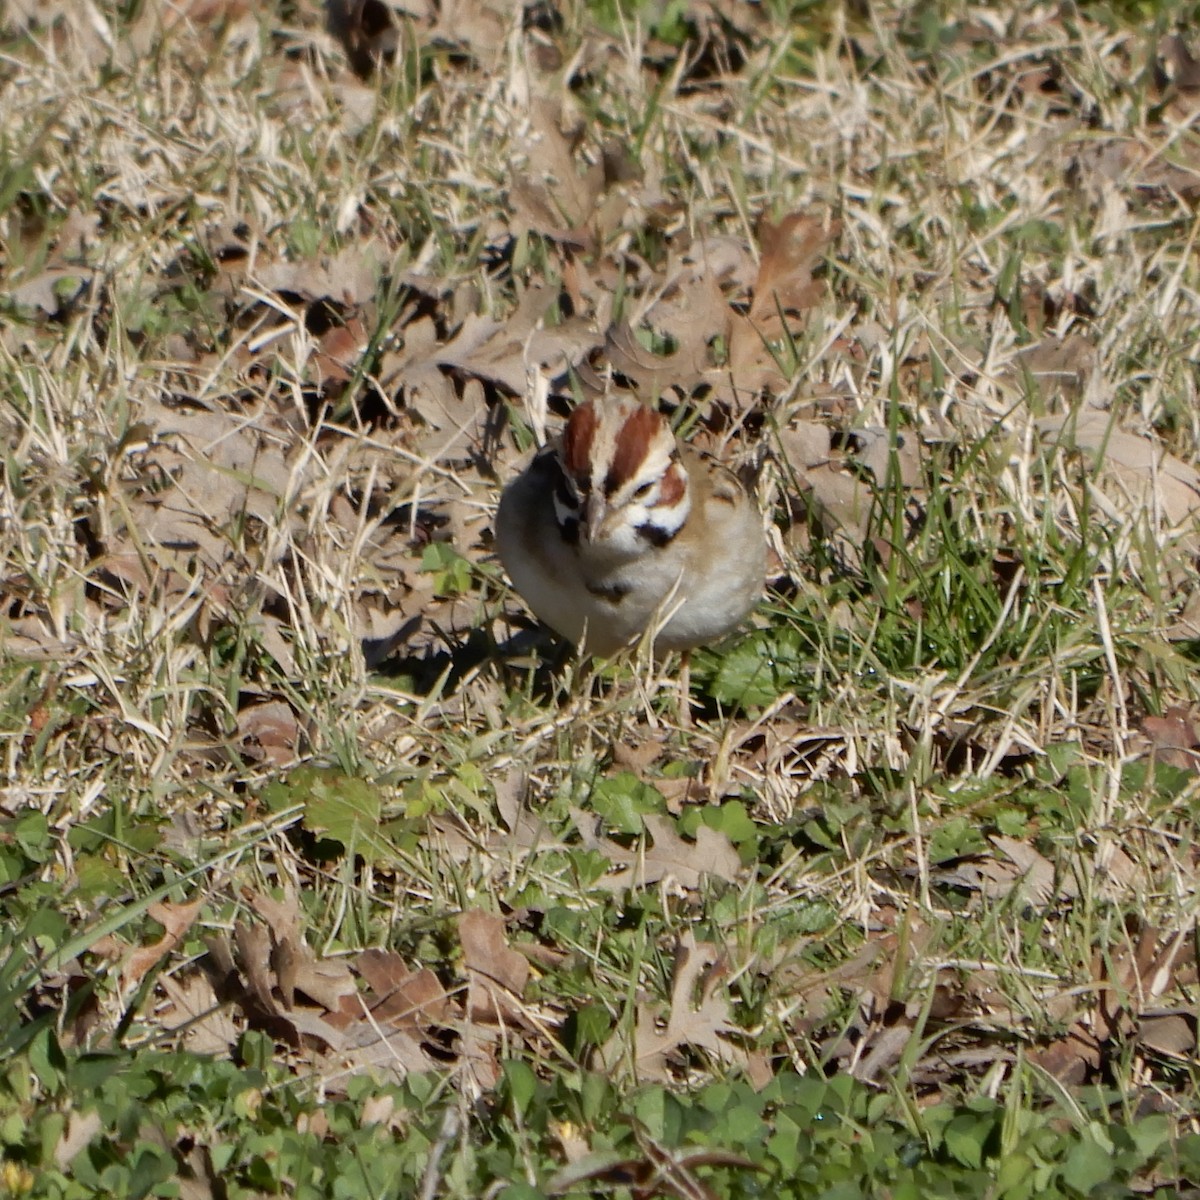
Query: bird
point(618, 529)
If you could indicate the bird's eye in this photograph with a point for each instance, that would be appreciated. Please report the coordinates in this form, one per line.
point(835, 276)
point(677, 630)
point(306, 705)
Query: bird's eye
point(643, 491)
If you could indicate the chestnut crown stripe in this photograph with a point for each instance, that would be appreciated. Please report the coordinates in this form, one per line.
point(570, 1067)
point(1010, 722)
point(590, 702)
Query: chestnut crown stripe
point(634, 436)
point(577, 441)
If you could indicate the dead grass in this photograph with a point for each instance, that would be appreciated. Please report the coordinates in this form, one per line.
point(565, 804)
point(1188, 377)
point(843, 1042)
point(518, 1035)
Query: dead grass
point(274, 334)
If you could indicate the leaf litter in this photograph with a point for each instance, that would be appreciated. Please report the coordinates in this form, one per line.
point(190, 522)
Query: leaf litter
point(368, 1012)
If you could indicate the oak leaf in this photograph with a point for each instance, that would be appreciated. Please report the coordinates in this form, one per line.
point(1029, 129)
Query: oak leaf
point(666, 855)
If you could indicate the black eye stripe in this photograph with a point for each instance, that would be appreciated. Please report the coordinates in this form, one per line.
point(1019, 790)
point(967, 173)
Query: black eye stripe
point(656, 535)
point(565, 494)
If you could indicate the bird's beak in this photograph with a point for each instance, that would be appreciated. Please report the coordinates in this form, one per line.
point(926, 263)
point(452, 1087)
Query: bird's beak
point(595, 510)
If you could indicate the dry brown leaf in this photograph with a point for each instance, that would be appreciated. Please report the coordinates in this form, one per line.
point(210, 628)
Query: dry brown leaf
point(287, 966)
point(348, 1032)
point(1019, 868)
point(368, 1046)
point(1186, 626)
point(789, 253)
point(338, 350)
point(1174, 738)
point(525, 830)
point(691, 309)
point(284, 918)
point(650, 373)
point(1172, 1035)
point(379, 1031)
point(1040, 881)
point(1142, 476)
point(1071, 1059)
point(666, 856)
point(253, 943)
point(639, 749)
point(805, 444)
point(699, 1016)
point(31, 639)
point(496, 975)
point(479, 1049)
point(784, 291)
point(1130, 979)
point(842, 500)
point(350, 278)
point(554, 197)
point(378, 1110)
point(886, 1046)
point(194, 1007)
point(507, 351)
point(534, 208)
point(456, 420)
point(222, 467)
point(1180, 66)
point(480, 26)
point(1117, 164)
point(269, 732)
point(176, 920)
point(409, 999)
point(1056, 364)
point(1180, 71)
point(81, 1127)
point(657, 1172)
point(326, 981)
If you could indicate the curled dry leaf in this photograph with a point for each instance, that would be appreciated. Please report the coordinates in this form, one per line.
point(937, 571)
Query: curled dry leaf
point(314, 1004)
point(525, 830)
point(269, 732)
point(506, 351)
